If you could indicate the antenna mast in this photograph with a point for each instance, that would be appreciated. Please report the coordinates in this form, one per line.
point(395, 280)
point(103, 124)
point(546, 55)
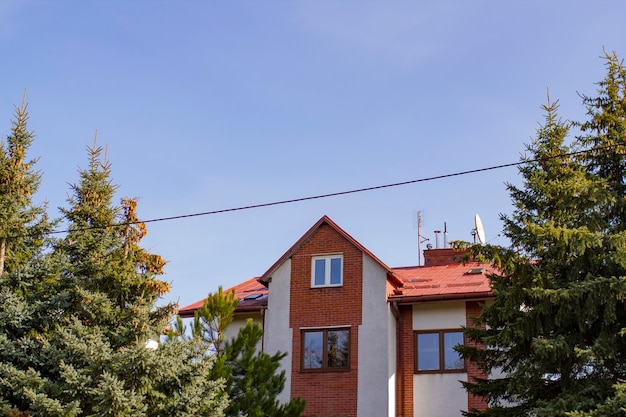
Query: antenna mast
point(420, 239)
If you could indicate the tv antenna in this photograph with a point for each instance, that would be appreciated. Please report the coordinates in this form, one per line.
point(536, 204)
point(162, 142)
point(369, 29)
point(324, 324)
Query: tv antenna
point(420, 239)
point(478, 231)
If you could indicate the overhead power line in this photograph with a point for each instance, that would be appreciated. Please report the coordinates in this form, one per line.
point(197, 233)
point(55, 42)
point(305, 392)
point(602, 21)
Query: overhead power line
point(339, 193)
point(335, 194)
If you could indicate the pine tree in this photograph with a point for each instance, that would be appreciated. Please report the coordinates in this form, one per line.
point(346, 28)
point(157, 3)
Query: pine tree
point(253, 379)
point(83, 349)
point(213, 318)
point(549, 307)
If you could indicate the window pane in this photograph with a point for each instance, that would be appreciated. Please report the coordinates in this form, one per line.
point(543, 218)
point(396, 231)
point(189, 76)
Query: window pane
point(452, 359)
point(338, 344)
point(313, 354)
point(335, 271)
point(427, 351)
point(320, 271)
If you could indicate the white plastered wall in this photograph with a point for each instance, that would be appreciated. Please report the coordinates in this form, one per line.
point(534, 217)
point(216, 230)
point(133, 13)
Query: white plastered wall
point(277, 335)
point(376, 361)
point(240, 321)
point(392, 362)
point(440, 394)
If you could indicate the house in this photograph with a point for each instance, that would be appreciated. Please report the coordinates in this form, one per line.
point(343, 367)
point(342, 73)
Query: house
point(364, 339)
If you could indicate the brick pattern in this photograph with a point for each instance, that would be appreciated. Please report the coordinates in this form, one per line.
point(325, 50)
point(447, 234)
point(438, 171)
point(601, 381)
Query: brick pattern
point(447, 256)
point(472, 309)
point(326, 393)
point(406, 361)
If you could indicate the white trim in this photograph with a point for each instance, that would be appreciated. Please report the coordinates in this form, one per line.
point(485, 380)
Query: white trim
point(327, 258)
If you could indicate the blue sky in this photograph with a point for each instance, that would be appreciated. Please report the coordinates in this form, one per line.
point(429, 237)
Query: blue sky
point(210, 105)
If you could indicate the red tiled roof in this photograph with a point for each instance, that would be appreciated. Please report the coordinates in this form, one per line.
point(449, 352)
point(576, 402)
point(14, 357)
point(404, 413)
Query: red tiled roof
point(421, 284)
point(441, 282)
point(412, 284)
point(252, 296)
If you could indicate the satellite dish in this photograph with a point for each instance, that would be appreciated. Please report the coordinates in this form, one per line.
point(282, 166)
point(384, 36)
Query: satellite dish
point(480, 231)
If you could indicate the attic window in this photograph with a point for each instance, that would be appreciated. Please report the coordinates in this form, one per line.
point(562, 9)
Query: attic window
point(475, 271)
point(327, 271)
point(253, 296)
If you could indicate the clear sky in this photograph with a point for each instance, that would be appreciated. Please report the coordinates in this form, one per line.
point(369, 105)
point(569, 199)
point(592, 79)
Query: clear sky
point(210, 105)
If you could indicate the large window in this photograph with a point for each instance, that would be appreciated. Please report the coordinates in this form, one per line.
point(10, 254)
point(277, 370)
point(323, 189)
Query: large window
point(327, 271)
point(434, 351)
point(326, 349)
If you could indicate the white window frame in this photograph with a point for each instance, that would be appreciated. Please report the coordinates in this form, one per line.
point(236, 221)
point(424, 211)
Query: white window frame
point(327, 258)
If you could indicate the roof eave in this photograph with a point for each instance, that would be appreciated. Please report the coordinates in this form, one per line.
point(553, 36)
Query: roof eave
point(249, 309)
point(187, 313)
point(419, 299)
point(190, 313)
point(395, 279)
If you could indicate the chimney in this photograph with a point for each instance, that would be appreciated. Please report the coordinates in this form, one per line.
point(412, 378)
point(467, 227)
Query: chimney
point(445, 256)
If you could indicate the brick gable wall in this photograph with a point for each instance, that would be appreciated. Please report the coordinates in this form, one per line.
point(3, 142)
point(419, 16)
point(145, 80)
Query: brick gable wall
point(326, 393)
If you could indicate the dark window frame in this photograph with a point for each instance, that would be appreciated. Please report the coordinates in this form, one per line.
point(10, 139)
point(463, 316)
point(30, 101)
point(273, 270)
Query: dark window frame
point(441, 369)
point(324, 367)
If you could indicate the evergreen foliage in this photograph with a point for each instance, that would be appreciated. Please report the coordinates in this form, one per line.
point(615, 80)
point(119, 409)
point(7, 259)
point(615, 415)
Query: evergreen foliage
point(253, 378)
point(213, 318)
point(22, 223)
point(553, 341)
point(76, 318)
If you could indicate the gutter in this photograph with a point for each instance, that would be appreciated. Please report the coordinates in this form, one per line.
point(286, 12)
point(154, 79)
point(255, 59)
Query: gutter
point(244, 309)
point(395, 310)
point(419, 299)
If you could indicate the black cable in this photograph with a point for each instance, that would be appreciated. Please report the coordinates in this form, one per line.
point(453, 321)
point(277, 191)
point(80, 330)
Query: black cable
point(339, 193)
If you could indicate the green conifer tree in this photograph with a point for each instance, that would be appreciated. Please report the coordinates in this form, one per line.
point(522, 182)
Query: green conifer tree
point(553, 340)
point(84, 349)
point(253, 378)
point(604, 133)
point(22, 223)
point(23, 259)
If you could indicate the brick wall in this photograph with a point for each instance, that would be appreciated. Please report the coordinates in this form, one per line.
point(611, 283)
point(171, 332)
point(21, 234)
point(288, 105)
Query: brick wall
point(446, 256)
point(326, 393)
point(472, 309)
point(406, 363)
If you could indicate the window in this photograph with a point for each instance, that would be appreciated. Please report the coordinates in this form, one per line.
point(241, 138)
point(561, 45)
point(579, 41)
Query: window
point(327, 271)
point(325, 349)
point(434, 351)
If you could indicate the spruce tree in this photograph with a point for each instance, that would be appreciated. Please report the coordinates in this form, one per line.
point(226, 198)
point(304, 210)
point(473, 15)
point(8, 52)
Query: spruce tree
point(253, 378)
point(604, 134)
point(553, 340)
point(85, 348)
point(22, 223)
point(548, 310)
point(24, 260)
